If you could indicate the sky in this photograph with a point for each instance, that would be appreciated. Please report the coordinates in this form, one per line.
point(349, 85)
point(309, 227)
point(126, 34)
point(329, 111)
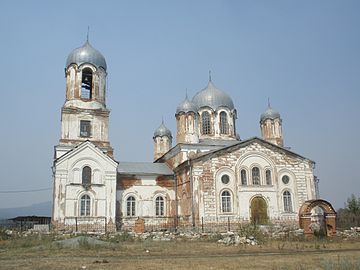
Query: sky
point(303, 55)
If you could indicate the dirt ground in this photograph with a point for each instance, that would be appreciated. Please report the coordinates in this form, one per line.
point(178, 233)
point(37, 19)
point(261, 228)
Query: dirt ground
point(45, 254)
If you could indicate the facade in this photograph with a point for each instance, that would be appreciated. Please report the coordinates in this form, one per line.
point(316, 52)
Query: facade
point(210, 175)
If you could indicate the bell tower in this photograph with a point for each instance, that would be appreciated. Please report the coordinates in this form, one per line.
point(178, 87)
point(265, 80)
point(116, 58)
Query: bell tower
point(84, 115)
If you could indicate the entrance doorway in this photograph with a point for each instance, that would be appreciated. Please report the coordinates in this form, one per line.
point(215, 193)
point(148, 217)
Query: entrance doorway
point(258, 211)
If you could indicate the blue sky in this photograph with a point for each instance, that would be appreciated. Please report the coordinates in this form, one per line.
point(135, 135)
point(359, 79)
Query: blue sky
point(304, 55)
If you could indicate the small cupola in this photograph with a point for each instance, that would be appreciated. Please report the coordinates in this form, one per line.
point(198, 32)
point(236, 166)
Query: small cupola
point(271, 126)
point(86, 54)
point(162, 141)
point(162, 131)
point(186, 106)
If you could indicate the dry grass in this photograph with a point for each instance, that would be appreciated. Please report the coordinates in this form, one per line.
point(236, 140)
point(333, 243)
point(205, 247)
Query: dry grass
point(35, 253)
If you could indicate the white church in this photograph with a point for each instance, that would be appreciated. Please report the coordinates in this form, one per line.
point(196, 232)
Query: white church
point(208, 176)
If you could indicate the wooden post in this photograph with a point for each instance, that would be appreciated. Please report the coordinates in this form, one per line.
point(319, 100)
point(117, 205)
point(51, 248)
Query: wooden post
point(228, 224)
point(202, 224)
point(76, 224)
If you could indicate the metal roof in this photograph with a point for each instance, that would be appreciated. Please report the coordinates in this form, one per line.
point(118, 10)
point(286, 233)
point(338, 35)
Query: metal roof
point(147, 168)
point(86, 54)
point(213, 98)
point(162, 130)
point(269, 113)
point(186, 106)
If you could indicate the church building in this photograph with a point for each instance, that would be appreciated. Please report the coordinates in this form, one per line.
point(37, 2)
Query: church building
point(209, 175)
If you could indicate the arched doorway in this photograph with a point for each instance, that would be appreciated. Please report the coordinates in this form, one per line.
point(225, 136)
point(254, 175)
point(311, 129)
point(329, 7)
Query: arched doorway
point(258, 210)
point(313, 210)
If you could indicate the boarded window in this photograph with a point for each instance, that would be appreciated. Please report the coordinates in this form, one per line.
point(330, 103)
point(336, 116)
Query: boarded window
point(159, 206)
point(224, 126)
point(86, 175)
point(205, 126)
point(268, 177)
point(256, 176)
point(225, 202)
point(85, 205)
point(86, 84)
point(85, 128)
point(130, 206)
point(243, 177)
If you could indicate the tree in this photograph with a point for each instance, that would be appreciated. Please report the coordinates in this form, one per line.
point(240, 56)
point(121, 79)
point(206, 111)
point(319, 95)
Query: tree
point(350, 215)
point(353, 205)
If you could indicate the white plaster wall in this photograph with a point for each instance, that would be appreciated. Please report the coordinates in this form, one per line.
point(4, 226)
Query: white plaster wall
point(68, 188)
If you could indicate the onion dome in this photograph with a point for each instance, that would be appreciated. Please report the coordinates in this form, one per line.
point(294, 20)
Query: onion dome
point(162, 130)
point(86, 54)
point(269, 113)
point(212, 97)
point(186, 106)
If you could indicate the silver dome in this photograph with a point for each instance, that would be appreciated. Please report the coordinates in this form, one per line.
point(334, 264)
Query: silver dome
point(269, 113)
point(186, 106)
point(161, 131)
point(86, 54)
point(213, 98)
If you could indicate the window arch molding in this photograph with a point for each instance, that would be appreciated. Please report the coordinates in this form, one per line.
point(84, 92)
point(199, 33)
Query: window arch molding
point(268, 169)
point(283, 172)
point(244, 161)
point(226, 201)
point(222, 171)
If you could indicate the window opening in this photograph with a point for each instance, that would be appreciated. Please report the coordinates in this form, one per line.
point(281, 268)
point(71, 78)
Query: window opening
point(130, 206)
point(206, 128)
point(226, 202)
point(86, 175)
point(86, 84)
point(225, 179)
point(287, 201)
point(159, 206)
point(85, 205)
point(255, 176)
point(85, 128)
point(224, 126)
point(268, 177)
point(243, 177)
point(285, 179)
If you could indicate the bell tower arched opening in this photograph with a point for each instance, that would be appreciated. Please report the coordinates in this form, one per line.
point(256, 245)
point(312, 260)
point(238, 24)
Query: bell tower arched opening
point(86, 84)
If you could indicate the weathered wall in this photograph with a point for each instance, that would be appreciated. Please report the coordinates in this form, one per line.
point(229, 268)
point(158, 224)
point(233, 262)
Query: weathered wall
point(208, 186)
point(145, 189)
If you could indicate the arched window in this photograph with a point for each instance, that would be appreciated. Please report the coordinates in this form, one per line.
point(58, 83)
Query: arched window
point(86, 84)
point(224, 126)
point(86, 175)
point(159, 206)
point(255, 176)
point(130, 206)
point(287, 201)
point(85, 205)
point(225, 202)
point(243, 177)
point(268, 177)
point(205, 123)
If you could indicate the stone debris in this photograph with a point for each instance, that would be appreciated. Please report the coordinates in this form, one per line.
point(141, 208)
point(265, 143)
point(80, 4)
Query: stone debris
point(79, 241)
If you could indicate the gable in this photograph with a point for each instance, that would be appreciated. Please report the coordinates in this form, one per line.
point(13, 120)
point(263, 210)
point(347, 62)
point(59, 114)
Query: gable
point(254, 146)
point(86, 151)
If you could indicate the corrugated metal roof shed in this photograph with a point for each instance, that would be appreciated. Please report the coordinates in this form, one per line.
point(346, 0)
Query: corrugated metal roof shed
point(147, 168)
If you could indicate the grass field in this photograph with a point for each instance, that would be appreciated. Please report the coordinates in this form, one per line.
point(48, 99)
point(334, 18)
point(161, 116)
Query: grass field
point(40, 252)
